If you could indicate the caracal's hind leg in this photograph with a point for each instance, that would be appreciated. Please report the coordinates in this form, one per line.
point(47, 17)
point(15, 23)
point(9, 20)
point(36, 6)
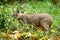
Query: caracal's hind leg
point(44, 24)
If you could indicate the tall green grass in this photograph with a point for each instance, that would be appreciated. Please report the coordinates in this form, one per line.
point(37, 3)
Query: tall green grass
point(33, 7)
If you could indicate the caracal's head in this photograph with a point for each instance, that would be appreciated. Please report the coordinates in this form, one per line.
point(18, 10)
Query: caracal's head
point(15, 13)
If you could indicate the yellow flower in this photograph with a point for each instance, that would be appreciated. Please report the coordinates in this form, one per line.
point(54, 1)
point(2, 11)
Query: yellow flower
point(34, 34)
point(53, 31)
point(44, 38)
point(29, 34)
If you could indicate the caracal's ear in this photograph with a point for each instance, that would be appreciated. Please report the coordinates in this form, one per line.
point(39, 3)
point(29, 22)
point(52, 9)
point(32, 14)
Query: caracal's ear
point(16, 11)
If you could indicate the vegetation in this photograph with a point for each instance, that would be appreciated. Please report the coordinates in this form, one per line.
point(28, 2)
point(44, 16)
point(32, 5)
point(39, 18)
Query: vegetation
point(8, 24)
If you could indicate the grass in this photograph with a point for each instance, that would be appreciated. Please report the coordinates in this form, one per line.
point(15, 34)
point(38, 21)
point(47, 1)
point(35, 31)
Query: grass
point(30, 8)
point(42, 7)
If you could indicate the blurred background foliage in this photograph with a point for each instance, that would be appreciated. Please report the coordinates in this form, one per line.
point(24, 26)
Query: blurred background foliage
point(7, 22)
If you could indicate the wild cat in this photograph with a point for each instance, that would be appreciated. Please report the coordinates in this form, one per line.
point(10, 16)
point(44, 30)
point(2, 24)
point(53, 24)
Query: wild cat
point(43, 21)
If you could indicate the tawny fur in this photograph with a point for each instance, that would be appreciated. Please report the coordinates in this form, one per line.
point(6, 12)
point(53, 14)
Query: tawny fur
point(43, 21)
